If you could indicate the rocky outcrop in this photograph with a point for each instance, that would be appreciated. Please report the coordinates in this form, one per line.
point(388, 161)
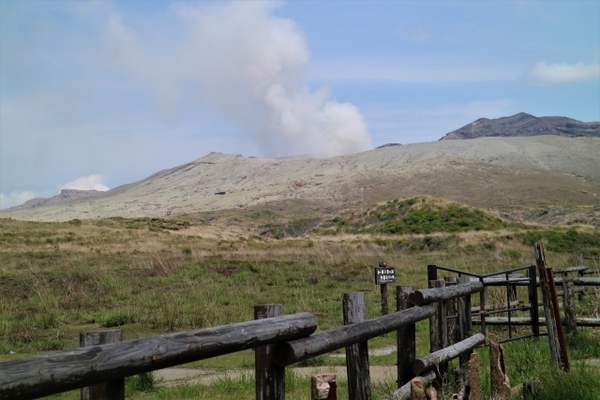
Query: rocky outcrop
point(64, 196)
point(524, 124)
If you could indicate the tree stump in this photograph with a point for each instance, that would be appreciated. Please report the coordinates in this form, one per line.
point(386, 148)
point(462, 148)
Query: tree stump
point(500, 384)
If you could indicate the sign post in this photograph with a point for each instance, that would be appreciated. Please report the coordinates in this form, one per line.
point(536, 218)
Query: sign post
point(383, 276)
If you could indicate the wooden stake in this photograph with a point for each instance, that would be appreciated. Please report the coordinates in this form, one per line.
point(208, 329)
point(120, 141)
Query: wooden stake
point(500, 384)
point(270, 377)
point(108, 390)
point(323, 387)
point(357, 355)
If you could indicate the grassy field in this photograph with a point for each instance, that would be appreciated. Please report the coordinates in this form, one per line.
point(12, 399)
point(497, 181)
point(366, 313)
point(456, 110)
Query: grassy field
point(152, 276)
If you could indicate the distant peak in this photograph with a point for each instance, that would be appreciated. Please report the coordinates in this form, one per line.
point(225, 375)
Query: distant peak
point(524, 124)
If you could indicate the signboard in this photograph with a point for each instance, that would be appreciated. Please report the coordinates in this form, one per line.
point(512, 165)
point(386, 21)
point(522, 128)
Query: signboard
point(385, 275)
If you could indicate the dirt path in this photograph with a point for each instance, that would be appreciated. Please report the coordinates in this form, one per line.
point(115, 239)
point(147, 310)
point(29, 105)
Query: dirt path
point(184, 376)
point(207, 376)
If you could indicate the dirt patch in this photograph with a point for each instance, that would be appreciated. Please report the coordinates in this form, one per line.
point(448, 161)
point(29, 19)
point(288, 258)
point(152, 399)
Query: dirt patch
point(207, 376)
point(189, 376)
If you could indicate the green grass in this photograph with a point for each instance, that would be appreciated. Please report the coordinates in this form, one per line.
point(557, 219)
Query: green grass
point(530, 358)
point(418, 215)
point(151, 276)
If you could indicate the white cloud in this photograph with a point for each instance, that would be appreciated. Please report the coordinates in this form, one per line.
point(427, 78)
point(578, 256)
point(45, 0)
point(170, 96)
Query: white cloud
point(565, 73)
point(90, 182)
point(15, 198)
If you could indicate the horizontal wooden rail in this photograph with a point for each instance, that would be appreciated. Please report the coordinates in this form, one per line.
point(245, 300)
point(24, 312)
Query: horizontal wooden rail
point(404, 391)
point(293, 351)
point(446, 354)
point(579, 268)
point(581, 281)
point(527, 321)
point(426, 296)
point(60, 371)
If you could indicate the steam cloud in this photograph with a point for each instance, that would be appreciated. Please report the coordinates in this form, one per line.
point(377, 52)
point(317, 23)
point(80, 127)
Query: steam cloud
point(90, 182)
point(246, 64)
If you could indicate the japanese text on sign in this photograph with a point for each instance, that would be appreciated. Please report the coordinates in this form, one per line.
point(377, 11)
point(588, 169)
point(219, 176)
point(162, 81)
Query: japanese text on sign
point(385, 275)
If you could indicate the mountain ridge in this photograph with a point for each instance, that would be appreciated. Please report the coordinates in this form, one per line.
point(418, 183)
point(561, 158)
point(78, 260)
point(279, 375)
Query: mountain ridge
point(523, 124)
point(498, 173)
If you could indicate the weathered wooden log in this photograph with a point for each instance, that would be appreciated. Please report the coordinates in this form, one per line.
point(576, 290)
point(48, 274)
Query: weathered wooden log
point(323, 387)
point(548, 304)
point(499, 379)
point(404, 392)
point(426, 296)
point(60, 371)
point(495, 307)
point(564, 355)
point(569, 307)
point(438, 326)
point(473, 387)
point(113, 390)
point(590, 322)
point(431, 393)
point(580, 289)
point(563, 270)
point(270, 377)
point(406, 338)
point(429, 361)
point(452, 314)
point(293, 351)
point(581, 281)
point(515, 279)
point(465, 320)
point(419, 392)
point(357, 354)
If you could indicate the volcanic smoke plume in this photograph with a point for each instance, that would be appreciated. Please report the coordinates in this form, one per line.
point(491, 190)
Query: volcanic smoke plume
point(246, 65)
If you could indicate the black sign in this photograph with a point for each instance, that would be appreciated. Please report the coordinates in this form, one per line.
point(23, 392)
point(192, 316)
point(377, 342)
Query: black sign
point(384, 275)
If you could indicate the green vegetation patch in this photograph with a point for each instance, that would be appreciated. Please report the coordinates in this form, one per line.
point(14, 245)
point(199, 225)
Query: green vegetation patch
point(418, 215)
point(563, 240)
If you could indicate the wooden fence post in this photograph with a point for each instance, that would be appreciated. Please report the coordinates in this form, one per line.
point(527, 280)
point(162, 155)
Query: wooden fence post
point(406, 341)
point(270, 377)
point(473, 382)
point(438, 328)
point(357, 355)
point(563, 355)
point(113, 390)
point(499, 379)
point(465, 322)
point(451, 314)
point(323, 387)
point(569, 304)
point(540, 259)
point(533, 301)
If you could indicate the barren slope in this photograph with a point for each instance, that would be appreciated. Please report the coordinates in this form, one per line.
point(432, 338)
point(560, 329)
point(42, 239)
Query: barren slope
point(496, 173)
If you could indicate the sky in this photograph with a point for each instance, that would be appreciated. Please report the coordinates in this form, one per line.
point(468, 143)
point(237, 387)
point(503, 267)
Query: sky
point(97, 94)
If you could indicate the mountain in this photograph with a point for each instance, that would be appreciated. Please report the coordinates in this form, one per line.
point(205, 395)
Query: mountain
point(495, 173)
point(523, 124)
point(65, 195)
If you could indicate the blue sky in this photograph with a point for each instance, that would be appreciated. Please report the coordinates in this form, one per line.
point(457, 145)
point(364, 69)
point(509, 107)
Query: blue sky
point(100, 94)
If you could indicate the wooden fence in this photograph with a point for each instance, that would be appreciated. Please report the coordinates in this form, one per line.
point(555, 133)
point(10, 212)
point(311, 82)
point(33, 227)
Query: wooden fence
point(279, 341)
point(572, 287)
